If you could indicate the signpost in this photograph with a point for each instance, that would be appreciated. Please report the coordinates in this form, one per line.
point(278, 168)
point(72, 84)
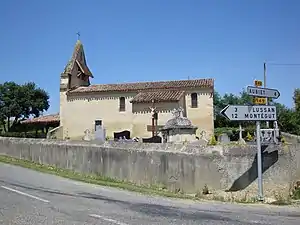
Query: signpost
point(256, 100)
point(256, 113)
point(259, 101)
point(263, 92)
point(258, 83)
point(250, 113)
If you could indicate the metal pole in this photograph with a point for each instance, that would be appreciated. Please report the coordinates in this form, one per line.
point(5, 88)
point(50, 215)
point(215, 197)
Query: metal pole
point(265, 85)
point(259, 163)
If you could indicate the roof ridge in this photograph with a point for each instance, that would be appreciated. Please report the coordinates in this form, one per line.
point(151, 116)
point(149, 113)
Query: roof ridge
point(146, 86)
point(159, 81)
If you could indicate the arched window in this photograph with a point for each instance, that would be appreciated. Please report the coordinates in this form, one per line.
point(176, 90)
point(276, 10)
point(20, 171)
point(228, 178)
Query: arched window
point(194, 98)
point(122, 104)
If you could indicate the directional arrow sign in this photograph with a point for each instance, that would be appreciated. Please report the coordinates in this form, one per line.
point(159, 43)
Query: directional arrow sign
point(263, 92)
point(250, 113)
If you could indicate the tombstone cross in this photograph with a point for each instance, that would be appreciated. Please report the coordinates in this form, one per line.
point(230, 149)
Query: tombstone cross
point(241, 132)
point(180, 111)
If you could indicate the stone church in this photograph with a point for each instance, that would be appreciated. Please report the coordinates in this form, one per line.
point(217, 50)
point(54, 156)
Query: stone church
point(126, 106)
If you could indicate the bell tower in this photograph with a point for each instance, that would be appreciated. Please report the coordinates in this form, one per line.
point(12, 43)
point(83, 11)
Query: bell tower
point(76, 74)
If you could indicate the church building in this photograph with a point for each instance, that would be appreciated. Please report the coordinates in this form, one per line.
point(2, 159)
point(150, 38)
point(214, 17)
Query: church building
point(127, 106)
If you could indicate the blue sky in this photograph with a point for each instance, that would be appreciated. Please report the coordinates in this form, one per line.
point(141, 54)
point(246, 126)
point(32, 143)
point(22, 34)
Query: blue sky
point(139, 40)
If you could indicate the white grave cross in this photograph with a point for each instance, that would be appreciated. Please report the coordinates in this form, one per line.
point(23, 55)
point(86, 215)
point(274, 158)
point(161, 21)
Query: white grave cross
point(241, 132)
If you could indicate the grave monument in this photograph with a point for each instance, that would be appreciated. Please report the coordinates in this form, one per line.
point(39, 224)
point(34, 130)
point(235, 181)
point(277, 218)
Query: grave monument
point(178, 128)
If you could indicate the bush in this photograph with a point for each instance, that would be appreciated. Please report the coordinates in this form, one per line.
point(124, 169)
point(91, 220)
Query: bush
point(30, 134)
point(213, 140)
point(296, 190)
point(225, 130)
point(249, 137)
point(296, 194)
point(233, 132)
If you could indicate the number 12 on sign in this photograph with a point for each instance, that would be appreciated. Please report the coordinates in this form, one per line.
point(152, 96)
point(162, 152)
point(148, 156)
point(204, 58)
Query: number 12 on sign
point(250, 113)
point(235, 115)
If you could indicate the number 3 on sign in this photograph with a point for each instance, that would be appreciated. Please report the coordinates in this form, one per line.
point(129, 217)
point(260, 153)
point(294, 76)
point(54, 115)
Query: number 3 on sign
point(234, 115)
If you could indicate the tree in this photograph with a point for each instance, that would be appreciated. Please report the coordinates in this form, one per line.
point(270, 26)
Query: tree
point(296, 99)
point(37, 102)
point(287, 119)
point(229, 99)
point(21, 101)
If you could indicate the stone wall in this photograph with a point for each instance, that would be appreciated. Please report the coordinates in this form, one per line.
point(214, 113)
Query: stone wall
point(291, 138)
point(188, 167)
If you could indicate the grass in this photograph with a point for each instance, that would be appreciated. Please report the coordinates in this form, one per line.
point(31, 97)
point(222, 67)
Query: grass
point(281, 199)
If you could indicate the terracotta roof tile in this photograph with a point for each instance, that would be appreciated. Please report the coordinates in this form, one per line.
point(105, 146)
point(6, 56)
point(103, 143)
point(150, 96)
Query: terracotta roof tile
point(140, 86)
point(43, 119)
point(157, 96)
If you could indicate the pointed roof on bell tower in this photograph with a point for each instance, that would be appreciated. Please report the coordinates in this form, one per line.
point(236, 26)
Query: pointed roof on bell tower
point(78, 58)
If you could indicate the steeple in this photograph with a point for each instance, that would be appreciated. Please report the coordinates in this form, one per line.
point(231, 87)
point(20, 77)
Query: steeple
point(78, 60)
point(76, 74)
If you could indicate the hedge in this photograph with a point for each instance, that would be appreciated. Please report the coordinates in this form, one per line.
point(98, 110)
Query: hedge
point(31, 134)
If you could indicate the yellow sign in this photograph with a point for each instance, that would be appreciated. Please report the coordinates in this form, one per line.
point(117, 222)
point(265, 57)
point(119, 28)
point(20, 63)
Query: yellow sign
point(258, 83)
point(259, 101)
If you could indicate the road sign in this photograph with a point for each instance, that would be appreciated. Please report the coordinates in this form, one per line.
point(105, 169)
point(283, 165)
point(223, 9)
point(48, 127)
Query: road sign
point(258, 83)
point(250, 113)
point(259, 101)
point(263, 92)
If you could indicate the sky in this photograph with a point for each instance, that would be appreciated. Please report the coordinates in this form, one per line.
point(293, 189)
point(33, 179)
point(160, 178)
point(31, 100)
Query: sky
point(143, 40)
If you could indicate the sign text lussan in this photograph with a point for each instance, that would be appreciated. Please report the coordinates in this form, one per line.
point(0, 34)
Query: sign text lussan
point(250, 113)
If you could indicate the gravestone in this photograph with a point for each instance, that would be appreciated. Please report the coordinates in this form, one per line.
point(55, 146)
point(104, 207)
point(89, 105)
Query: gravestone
point(155, 139)
point(100, 133)
point(87, 135)
point(224, 139)
point(125, 134)
point(203, 136)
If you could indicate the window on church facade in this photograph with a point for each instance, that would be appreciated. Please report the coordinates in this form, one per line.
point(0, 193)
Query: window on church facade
point(194, 100)
point(122, 104)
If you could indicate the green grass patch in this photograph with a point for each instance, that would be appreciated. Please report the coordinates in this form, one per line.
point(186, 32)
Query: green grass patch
point(96, 179)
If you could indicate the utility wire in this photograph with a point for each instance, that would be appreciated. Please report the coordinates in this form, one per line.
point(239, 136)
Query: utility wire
point(284, 64)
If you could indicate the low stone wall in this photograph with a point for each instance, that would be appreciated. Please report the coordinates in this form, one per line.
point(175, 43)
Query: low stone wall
point(185, 167)
point(291, 138)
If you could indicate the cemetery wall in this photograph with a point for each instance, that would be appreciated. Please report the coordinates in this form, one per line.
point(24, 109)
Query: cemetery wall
point(291, 138)
point(188, 167)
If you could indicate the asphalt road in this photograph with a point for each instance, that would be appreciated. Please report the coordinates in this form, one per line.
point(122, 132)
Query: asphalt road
point(30, 197)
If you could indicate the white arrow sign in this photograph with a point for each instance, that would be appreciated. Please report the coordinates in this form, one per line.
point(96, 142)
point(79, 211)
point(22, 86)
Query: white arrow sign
point(263, 92)
point(250, 113)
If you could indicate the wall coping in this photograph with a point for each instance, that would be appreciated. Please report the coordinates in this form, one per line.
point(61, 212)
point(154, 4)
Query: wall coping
point(188, 149)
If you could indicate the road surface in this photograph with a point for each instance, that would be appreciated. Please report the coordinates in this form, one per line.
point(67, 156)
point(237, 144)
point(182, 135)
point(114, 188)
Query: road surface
point(29, 198)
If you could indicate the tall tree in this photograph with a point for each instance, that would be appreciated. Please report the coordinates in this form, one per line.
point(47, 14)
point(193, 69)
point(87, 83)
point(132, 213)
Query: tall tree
point(296, 99)
point(229, 99)
point(287, 119)
point(20, 101)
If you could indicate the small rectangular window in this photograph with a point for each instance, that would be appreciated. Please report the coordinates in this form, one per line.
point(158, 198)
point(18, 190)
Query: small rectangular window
point(122, 104)
point(194, 100)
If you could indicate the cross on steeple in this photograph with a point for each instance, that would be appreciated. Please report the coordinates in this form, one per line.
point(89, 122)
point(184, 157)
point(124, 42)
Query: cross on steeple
point(78, 35)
